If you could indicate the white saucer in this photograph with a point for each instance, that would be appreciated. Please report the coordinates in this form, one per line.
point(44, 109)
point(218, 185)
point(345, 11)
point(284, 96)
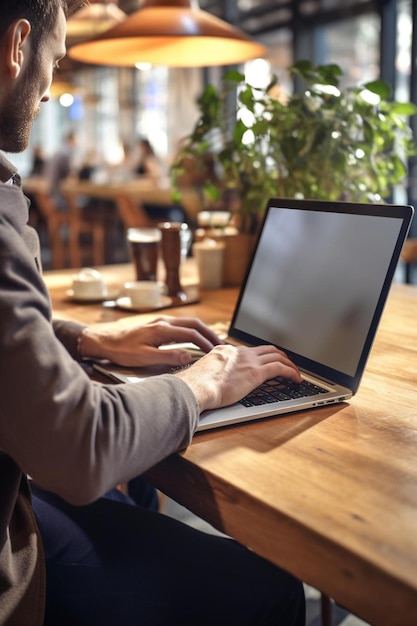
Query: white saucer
point(89, 299)
point(125, 303)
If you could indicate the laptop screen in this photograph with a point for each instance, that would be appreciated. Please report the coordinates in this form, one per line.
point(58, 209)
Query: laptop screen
point(318, 281)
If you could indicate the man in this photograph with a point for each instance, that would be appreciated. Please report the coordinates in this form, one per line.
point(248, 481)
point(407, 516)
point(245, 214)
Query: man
point(86, 559)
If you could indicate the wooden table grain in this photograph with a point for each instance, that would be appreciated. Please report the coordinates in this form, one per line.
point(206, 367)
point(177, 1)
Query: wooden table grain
point(329, 494)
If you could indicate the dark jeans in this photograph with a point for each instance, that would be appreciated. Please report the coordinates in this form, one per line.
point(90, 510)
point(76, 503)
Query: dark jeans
point(117, 563)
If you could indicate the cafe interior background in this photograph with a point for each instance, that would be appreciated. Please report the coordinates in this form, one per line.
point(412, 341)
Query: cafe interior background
point(108, 107)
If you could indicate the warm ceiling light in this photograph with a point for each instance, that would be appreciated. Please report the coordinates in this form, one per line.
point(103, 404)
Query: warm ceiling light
point(66, 100)
point(175, 33)
point(93, 19)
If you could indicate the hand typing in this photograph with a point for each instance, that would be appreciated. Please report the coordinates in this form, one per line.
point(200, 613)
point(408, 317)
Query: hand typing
point(227, 373)
point(138, 346)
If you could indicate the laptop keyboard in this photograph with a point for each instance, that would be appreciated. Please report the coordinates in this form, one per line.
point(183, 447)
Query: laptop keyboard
point(278, 390)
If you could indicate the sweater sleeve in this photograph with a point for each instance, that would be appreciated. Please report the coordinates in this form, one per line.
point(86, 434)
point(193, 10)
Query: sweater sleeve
point(75, 437)
point(68, 334)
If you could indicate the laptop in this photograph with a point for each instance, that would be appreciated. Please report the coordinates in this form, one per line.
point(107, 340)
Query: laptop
point(315, 287)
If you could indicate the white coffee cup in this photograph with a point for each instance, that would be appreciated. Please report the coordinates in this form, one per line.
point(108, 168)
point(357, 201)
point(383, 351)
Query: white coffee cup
point(209, 255)
point(88, 284)
point(144, 293)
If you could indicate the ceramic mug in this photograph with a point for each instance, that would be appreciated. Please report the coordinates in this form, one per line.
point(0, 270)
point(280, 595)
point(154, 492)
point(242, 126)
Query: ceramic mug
point(88, 284)
point(146, 294)
point(209, 255)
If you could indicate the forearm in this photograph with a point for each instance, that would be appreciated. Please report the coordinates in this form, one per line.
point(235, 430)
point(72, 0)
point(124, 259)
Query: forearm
point(69, 334)
point(73, 436)
point(82, 438)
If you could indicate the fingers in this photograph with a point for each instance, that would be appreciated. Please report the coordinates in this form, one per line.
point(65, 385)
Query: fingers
point(274, 359)
point(173, 357)
point(227, 373)
point(186, 329)
point(198, 326)
point(154, 343)
point(265, 362)
point(140, 345)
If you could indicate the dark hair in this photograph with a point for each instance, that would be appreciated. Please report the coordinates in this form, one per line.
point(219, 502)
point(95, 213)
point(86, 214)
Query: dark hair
point(41, 14)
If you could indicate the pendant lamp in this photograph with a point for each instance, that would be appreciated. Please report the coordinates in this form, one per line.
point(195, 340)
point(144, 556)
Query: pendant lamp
point(93, 19)
point(174, 33)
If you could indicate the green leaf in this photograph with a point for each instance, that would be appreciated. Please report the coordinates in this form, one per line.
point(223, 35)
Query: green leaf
point(246, 98)
point(329, 74)
point(379, 87)
point(303, 68)
point(234, 76)
point(316, 144)
point(404, 108)
point(211, 191)
point(272, 84)
point(239, 131)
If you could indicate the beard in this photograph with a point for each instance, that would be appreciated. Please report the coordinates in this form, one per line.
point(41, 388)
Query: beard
point(16, 126)
point(17, 114)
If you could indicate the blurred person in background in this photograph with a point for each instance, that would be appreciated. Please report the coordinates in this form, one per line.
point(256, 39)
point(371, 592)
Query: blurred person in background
point(59, 167)
point(38, 162)
point(144, 161)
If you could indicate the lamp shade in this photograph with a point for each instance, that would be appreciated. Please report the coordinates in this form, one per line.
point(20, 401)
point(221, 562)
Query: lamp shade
point(94, 19)
point(174, 33)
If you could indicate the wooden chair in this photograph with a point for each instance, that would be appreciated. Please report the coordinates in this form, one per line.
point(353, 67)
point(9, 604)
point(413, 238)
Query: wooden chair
point(81, 224)
point(132, 213)
point(65, 231)
point(326, 610)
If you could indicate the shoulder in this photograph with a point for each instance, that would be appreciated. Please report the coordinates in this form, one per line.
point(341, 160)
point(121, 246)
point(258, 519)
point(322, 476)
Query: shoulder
point(14, 207)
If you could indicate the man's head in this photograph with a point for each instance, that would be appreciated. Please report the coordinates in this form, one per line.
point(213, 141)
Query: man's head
point(32, 41)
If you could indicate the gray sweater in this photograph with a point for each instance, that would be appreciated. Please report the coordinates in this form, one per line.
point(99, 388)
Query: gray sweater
point(73, 436)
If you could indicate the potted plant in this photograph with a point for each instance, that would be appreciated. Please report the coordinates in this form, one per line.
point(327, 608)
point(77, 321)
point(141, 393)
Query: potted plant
point(324, 143)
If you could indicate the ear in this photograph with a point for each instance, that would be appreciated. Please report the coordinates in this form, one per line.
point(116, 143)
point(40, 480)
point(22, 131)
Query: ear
point(16, 38)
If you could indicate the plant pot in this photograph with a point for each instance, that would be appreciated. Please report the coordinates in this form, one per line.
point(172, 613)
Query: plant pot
point(237, 253)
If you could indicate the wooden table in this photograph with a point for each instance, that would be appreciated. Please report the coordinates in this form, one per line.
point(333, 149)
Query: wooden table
point(141, 190)
point(144, 191)
point(110, 205)
point(329, 494)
